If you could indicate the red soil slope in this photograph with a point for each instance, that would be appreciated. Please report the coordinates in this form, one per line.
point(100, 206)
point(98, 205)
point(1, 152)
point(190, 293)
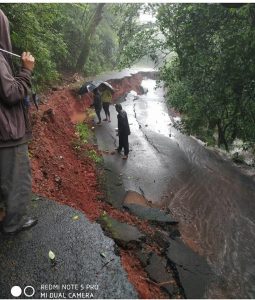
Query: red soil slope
point(57, 171)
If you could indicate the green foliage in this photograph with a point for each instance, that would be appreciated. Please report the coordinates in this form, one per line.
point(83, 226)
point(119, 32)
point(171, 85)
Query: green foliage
point(212, 79)
point(54, 34)
point(95, 157)
point(237, 158)
point(104, 48)
point(33, 29)
point(136, 39)
point(208, 59)
point(83, 132)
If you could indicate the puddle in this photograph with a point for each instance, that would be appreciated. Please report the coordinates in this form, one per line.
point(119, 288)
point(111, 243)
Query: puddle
point(78, 117)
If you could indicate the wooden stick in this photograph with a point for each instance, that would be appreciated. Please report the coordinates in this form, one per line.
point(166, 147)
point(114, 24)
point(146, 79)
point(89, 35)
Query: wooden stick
point(10, 53)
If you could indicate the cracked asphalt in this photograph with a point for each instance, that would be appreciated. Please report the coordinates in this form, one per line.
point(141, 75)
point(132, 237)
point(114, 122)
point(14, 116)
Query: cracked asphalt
point(209, 196)
point(150, 162)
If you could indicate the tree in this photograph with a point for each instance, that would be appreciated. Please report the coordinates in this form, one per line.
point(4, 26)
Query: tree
point(210, 73)
point(89, 33)
point(63, 37)
point(33, 28)
point(136, 39)
point(214, 68)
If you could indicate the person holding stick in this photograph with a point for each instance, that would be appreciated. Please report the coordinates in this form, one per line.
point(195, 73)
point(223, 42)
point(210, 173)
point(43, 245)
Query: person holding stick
point(15, 132)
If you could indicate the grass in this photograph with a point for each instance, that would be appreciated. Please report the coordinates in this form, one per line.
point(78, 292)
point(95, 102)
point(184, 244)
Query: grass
point(95, 157)
point(83, 131)
point(84, 135)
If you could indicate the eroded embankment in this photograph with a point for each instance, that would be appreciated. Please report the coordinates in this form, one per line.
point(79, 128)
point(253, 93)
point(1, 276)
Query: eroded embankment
point(57, 171)
point(61, 171)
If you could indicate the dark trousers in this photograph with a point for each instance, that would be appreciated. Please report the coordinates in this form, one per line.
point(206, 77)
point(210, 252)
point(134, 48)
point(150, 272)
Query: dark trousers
point(106, 109)
point(15, 185)
point(123, 143)
point(98, 110)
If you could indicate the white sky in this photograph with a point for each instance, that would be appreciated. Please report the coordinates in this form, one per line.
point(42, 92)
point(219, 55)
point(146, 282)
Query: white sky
point(145, 18)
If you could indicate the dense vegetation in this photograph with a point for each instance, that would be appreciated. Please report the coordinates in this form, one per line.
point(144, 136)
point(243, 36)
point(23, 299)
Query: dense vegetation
point(208, 66)
point(205, 53)
point(64, 37)
point(212, 78)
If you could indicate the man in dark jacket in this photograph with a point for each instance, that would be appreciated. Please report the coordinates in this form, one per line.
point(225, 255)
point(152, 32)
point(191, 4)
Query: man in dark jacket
point(15, 132)
point(123, 130)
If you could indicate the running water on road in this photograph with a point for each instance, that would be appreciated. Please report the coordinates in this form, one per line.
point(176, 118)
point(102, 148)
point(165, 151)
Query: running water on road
point(213, 201)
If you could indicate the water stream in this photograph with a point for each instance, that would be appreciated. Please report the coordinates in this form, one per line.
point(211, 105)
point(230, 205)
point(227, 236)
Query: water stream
point(212, 199)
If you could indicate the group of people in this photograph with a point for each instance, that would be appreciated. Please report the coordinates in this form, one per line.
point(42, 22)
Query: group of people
point(103, 98)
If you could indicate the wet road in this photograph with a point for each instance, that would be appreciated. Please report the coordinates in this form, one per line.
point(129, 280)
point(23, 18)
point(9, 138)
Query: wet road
point(213, 201)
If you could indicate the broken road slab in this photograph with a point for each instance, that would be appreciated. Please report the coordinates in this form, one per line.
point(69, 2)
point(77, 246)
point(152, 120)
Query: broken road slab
point(150, 214)
point(125, 235)
point(193, 271)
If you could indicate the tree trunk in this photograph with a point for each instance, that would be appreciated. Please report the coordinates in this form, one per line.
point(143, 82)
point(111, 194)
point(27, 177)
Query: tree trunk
point(221, 137)
point(85, 48)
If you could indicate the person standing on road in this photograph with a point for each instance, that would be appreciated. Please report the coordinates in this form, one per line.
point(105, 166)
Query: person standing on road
point(123, 130)
point(106, 96)
point(97, 104)
point(15, 132)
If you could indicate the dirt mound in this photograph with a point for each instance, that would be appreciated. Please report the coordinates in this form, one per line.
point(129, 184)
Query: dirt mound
point(57, 171)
